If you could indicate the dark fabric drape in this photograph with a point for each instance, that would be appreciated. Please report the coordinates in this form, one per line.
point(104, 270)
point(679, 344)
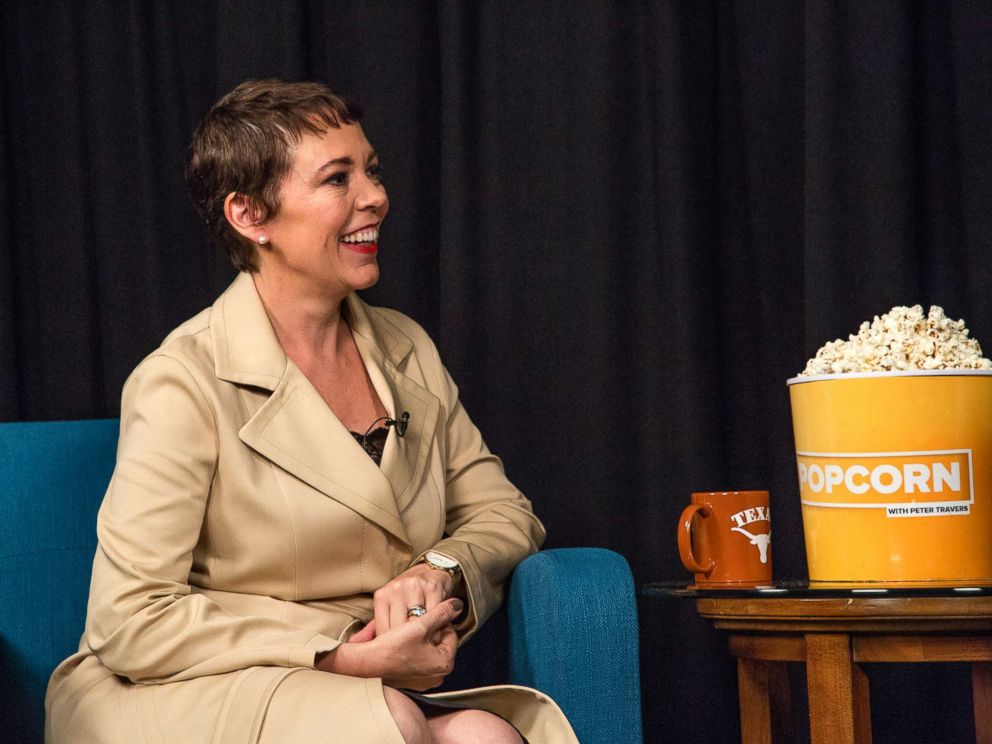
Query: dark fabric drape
point(625, 223)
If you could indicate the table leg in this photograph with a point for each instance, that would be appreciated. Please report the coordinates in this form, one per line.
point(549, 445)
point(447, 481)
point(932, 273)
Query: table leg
point(981, 694)
point(861, 702)
point(763, 689)
point(839, 711)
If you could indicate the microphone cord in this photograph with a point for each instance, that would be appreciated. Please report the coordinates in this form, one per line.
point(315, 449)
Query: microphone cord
point(400, 424)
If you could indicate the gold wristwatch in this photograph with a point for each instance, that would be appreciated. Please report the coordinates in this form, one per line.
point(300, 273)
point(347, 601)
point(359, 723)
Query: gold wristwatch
point(443, 563)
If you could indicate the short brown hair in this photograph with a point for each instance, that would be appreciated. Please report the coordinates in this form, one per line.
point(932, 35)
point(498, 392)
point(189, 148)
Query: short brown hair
point(243, 145)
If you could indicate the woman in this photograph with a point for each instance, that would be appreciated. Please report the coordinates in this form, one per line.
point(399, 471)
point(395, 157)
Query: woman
point(303, 521)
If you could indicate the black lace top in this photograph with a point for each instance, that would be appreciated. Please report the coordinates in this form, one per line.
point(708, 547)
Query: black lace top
point(374, 443)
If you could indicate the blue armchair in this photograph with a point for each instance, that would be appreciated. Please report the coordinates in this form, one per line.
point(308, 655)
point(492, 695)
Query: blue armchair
point(573, 635)
point(573, 624)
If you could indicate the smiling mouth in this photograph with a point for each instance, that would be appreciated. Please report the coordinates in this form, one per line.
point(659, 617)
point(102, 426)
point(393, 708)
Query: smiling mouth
point(365, 240)
point(365, 235)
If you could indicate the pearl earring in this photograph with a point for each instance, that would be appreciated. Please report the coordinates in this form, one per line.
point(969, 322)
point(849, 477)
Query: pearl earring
point(262, 239)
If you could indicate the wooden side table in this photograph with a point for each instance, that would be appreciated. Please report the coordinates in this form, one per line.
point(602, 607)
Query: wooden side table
point(833, 635)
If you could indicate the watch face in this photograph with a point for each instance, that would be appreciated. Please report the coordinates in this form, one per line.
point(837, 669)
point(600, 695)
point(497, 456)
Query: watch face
point(440, 560)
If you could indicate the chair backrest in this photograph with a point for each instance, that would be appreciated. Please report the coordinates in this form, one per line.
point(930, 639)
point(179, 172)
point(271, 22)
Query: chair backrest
point(53, 476)
point(574, 636)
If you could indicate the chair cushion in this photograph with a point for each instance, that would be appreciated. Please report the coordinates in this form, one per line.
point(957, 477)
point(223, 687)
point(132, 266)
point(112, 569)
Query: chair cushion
point(54, 475)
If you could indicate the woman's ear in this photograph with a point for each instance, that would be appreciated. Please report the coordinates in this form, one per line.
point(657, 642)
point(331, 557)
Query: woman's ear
point(244, 215)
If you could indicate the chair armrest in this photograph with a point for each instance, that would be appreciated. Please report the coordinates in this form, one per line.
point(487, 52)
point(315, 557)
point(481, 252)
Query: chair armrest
point(573, 635)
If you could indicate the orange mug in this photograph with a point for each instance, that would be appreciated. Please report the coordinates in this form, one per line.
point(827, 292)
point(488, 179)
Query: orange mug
point(725, 539)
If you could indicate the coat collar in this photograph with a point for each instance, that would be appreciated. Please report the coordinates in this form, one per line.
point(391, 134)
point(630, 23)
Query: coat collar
point(297, 431)
point(246, 350)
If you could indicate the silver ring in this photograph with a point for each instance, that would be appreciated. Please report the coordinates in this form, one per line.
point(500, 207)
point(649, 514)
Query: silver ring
point(416, 611)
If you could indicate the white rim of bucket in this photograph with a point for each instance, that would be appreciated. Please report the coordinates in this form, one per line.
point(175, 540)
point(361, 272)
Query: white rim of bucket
point(900, 373)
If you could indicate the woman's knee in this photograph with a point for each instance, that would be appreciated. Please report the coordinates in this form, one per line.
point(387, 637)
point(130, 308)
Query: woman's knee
point(409, 718)
point(476, 726)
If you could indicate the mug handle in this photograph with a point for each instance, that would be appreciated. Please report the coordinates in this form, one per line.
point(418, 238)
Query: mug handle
point(685, 538)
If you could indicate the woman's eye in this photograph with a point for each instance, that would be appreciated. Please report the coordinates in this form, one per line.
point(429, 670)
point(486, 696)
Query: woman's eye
point(337, 179)
point(375, 172)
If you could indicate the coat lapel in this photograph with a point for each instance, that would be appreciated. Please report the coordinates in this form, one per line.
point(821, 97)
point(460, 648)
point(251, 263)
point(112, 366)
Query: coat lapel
point(385, 350)
point(297, 431)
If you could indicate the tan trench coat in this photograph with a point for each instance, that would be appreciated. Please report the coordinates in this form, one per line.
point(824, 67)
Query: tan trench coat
point(244, 530)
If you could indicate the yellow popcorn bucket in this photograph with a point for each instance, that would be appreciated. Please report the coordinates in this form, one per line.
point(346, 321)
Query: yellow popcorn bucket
point(895, 477)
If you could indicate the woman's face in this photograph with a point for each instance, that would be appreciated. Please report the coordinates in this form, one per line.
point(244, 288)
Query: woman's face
point(332, 204)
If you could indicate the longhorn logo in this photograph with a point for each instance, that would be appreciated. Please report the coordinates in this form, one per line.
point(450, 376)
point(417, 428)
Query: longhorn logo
point(762, 541)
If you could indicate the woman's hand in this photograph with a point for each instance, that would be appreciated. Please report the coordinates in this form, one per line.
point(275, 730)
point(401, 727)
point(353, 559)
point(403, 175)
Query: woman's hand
point(418, 585)
point(367, 633)
point(416, 655)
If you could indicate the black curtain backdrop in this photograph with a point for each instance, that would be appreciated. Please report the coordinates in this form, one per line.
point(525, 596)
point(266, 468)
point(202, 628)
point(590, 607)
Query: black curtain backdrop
point(626, 224)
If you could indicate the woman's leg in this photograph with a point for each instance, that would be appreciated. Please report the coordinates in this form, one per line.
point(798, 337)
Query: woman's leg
point(409, 718)
point(471, 727)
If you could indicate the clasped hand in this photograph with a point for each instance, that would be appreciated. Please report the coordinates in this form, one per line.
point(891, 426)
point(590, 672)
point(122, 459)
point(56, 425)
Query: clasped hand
point(418, 585)
point(416, 653)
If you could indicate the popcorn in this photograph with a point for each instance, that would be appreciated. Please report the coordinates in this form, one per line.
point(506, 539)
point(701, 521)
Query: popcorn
point(902, 339)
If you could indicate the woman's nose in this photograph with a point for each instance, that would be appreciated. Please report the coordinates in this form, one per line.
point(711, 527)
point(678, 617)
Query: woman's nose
point(373, 194)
